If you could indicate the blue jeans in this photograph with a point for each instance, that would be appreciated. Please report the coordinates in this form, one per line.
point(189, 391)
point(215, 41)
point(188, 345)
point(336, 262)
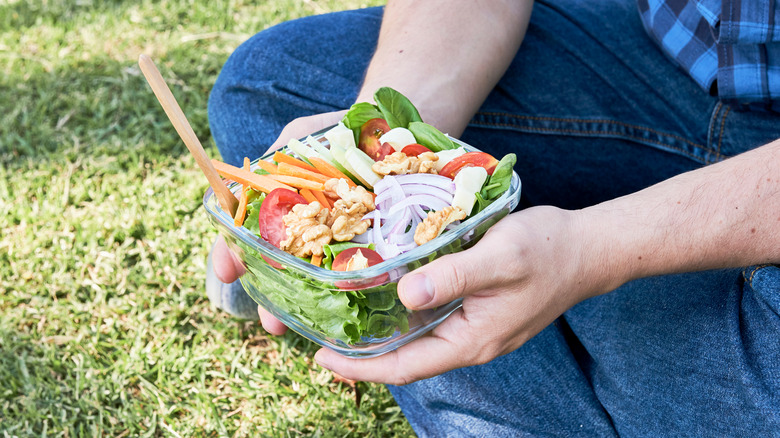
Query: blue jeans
point(594, 111)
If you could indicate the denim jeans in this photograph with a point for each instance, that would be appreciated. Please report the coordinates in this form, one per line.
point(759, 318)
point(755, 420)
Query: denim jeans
point(594, 111)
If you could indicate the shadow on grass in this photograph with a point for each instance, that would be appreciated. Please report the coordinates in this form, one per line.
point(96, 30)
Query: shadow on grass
point(100, 106)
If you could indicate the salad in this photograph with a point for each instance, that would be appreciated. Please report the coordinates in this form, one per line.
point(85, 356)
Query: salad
point(383, 183)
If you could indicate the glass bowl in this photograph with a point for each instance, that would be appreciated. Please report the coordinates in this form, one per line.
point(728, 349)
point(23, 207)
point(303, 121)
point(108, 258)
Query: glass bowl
point(355, 313)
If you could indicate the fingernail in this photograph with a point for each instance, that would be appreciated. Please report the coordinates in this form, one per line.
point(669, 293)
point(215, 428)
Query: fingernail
point(418, 290)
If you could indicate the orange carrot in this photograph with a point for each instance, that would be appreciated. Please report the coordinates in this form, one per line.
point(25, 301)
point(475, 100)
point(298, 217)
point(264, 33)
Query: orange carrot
point(306, 193)
point(316, 260)
point(290, 170)
point(322, 199)
point(294, 181)
point(241, 210)
point(262, 183)
point(281, 157)
point(267, 166)
point(328, 169)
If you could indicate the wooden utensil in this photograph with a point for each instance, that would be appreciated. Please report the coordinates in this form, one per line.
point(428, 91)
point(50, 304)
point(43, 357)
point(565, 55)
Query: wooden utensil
point(226, 198)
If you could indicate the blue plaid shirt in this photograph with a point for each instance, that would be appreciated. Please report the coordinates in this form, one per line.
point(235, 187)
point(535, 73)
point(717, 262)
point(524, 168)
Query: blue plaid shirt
point(732, 46)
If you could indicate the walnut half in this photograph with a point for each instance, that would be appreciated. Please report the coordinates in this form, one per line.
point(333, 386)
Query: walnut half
point(398, 163)
point(433, 225)
point(346, 219)
point(306, 230)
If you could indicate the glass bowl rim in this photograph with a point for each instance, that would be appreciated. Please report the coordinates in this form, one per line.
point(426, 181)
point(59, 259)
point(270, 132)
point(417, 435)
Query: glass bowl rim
point(261, 246)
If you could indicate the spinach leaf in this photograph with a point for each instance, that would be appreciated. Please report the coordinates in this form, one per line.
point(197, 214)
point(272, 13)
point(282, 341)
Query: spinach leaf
point(359, 114)
point(430, 137)
point(482, 203)
point(498, 183)
point(396, 108)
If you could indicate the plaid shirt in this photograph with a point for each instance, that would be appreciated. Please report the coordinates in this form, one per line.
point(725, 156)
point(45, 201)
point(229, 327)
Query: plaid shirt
point(733, 45)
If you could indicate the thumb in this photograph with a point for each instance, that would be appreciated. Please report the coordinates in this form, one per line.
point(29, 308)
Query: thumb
point(450, 277)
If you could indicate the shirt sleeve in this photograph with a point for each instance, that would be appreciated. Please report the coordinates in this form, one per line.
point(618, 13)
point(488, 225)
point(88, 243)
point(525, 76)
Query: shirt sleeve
point(749, 22)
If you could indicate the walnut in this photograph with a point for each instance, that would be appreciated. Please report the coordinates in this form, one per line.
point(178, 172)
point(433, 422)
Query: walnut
point(346, 218)
point(433, 225)
point(307, 230)
point(338, 188)
point(427, 160)
point(398, 163)
point(346, 224)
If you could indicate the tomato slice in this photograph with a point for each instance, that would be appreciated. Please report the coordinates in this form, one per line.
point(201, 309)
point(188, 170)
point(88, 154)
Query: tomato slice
point(340, 264)
point(341, 260)
point(469, 159)
point(275, 205)
point(414, 149)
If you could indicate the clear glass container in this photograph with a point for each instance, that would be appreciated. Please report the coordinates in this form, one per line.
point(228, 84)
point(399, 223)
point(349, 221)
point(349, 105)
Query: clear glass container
point(355, 313)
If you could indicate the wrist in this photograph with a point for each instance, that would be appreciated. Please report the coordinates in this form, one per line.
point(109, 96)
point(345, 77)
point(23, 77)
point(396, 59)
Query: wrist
point(606, 254)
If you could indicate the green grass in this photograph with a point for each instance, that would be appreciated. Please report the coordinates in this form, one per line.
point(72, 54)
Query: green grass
point(104, 325)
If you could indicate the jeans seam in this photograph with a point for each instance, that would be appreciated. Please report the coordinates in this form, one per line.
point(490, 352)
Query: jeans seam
point(612, 133)
point(613, 122)
point(753, 270)
point(720, 134)
point(715, 114)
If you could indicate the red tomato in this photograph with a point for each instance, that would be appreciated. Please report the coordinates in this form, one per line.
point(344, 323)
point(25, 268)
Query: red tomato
point(369, 139)
point(469, 159)
point(275, 205)
point(340, 264)
point(414, 149)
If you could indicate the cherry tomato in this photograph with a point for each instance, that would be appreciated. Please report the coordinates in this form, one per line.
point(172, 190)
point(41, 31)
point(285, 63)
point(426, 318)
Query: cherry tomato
point(414, 149)
point(369, 139)
point(469, 159)
point(340, 264)
point(275, 205)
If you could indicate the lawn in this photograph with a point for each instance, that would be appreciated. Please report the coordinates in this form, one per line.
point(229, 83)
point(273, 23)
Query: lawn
point(104, 325)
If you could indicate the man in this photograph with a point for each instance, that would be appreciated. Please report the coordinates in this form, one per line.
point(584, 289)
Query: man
point(634, 293)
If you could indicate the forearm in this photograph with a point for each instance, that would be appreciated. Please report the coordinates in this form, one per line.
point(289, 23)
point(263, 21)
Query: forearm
point(446, 56)
point(723, 215)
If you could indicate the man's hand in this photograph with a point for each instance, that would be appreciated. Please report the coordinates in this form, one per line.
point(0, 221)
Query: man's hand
point(524, 273)
point(534, 265)
point(227, 266)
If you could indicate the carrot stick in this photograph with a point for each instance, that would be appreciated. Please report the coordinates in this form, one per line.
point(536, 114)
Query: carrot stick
point(322, 199)
point(294, 181)
point(306, 193)
point(290, 170)
point(316, 260)
point(262, 183)
point(243, 201)
point(328, 169)
point(281, 157)
point(267, 166)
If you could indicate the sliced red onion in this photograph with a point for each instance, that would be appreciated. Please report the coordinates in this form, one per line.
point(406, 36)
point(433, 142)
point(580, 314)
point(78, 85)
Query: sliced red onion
point(401, 239)
point(430, 201)
point(408, 246)
point(362, 238)
point(421, 214)
point(427, 179)
point(376, 232)
point(387, 250)
point(419, 189)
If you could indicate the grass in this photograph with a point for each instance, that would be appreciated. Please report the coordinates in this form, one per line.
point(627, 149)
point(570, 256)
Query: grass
point(105, 328)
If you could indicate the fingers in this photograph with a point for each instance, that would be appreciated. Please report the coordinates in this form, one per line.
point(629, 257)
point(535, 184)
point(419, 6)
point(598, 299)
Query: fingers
point(425, 357)
point(454, 276)
point(227, 266)
point(270, 323)
point(303, 126)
